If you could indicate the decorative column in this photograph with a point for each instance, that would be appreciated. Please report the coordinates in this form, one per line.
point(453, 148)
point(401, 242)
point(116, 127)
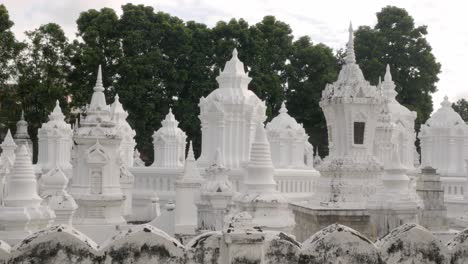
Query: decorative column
point(433, 215)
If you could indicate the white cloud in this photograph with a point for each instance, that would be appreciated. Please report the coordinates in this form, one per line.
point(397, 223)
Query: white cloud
point(324, 21)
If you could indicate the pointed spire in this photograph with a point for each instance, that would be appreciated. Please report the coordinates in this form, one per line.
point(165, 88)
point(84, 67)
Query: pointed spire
point(233, 74)
point(99, 86)
point(57, 112)
point(446, 102)
point(234, 53)
point(190, 169)
point(283, 108)
point(22, 115)
point(117, 111)
point(350, 56)
point(388, 74)
point(170, 120)
point(190, 155)
point(98, 100)
point(8, 141)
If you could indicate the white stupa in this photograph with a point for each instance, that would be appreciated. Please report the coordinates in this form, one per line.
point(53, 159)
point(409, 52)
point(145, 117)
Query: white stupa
point(187, 194)
point(403, 119)
point(215, 196)
point(55, 143)
point(125, 131)
point(443, 138)
point(169, 144)
point(56, 197)
point(288, 140)
point(22, 212)
point(96, 172)
point(7, 160)
point(348, 176)
point(268, 207)
point(21, 135)
point(229, 115)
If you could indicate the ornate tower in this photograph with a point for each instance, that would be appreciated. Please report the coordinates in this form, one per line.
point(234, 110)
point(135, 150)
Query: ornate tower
point(169, 144)
point(351, 107)
point(229, 116)
point(96, 174)
point(55, 143)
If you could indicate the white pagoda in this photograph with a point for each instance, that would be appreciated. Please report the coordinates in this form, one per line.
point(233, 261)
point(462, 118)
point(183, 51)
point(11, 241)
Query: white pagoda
point(169, 144)
point(96, 172)
point(403, 119)
point(229, 116)
point(394, 147)
point(348, 176)
point(187, 194)
point(22, 213)
point(7, 160)
point(288, 141)
point(125, 131)
point(55, 143)
point(443, 141)
point(22, 136)
point(268, 207)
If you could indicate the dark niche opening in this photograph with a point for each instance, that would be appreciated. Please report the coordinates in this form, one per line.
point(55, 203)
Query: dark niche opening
point(359, 128)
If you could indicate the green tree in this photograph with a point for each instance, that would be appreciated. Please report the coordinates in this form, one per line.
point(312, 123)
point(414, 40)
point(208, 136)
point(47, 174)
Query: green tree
point(461, 107)
point(9, 50)
point(311, 68)
point(98, 43)
point(395, 40)
point(43, 69)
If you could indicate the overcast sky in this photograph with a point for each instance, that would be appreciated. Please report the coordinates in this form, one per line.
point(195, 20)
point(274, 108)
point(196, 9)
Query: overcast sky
point(324, 21)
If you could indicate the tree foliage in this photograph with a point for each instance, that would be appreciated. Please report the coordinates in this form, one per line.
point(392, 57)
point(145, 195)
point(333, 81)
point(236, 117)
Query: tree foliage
point(154, 61)
point(461, 107)
point(396, 41)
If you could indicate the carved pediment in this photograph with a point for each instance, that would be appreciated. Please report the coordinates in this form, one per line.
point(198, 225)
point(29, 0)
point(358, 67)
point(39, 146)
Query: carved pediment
point(96, 154)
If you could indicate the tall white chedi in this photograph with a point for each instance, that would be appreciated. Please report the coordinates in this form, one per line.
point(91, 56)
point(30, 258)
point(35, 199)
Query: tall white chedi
point(169, 144)
point(229, 116)
point(56, 197)
point(55, 143)
point(444, 139)
point(268, 207)
point(22, 136)
point(288, 141)
point(348, 176)
point(22, 213)
point(216, 195)
point(125, 131)
point(187, 189)
point(7, 160)
point(96, 172)
point(403, 120)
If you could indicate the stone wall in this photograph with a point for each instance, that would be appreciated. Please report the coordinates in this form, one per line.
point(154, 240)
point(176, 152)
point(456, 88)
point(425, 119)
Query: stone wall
point(143, 244)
